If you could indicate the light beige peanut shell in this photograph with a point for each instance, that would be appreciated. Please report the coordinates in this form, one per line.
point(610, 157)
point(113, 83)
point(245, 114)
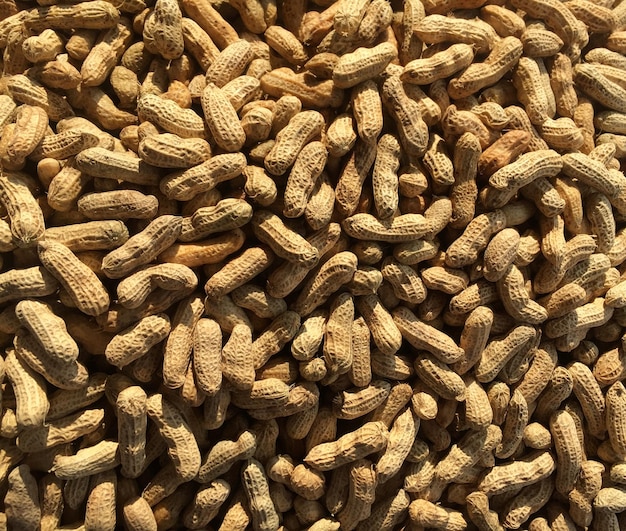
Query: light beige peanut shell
point(25, 215)
point(181, 443)
point(87, 461)
point(365, 440)
point(136, 341)
point(23, 509)
point(48, 329)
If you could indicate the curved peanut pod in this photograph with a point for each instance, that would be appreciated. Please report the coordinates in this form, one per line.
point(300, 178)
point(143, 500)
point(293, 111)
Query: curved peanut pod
point(88, 461)
point(423, 336)
point(256, 487)
point(62, 374)
point(518, 474)
point(133, 290)
point(335, 272)
point(48, 328)
point(181, 442)
point(385, 333)
point(369, 438)
point(206, 504)
point(29, 282)
point(222, 119)
point(30, 392)
point(60, 431)
point(352, 404)
point(31, 124)
point(137, 340)
point(143, 247)
point(22, 506)
point(168, 115)
point(27, 223)
point(569, 452)
point(224, 454)
point(178, 346)
point(401, 438)
point(285, 242)
point(82, 284)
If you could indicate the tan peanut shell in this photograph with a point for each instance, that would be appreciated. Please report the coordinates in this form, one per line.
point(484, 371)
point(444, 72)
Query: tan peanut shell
point(407, 220)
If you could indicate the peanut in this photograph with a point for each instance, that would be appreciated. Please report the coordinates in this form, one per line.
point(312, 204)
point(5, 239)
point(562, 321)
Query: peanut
point(84, 287)
point(371, 437)
point(87, 461)
point(48, 329)
point(30, 392)
point(26, 217)
point(22, 499)
point(464, 199)
point(182, 446)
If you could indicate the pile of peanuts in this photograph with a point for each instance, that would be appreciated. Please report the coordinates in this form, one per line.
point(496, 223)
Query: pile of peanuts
point(313, 264)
